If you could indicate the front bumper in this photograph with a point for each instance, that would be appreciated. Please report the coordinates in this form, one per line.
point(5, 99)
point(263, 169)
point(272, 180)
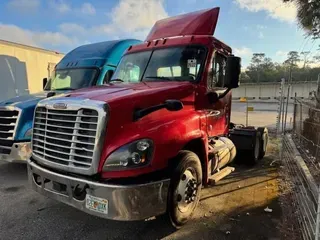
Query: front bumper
point(124, 202)
point(20, 152)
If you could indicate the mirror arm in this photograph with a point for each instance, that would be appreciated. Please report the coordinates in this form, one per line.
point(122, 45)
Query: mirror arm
point(224, 93)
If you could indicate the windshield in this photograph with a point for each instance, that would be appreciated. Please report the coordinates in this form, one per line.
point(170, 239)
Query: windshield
point(169, 64)
point(70, 79)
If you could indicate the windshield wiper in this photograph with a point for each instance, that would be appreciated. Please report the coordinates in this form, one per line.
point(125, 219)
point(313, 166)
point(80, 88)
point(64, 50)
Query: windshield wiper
point(63, 89)
point(116, 80)
point(161, 78)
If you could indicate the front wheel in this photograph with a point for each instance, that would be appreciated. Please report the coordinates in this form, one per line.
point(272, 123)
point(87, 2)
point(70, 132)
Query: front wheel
point(184, 192)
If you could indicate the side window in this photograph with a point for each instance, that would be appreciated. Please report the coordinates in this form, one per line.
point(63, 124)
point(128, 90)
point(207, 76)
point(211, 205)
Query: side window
point(107, 76)
point(194, 70)
point(217, 73)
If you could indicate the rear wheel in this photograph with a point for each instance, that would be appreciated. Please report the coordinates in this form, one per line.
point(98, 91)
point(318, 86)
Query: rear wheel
point(184, 192)
point(264, 141)
point(255, 151)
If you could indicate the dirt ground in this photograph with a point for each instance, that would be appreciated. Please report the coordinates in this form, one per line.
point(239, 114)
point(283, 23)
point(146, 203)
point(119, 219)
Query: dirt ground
point(234, 209)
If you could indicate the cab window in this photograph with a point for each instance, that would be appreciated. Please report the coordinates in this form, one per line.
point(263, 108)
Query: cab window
point(174, 71)
point(218, 70)
point(131, 73)
point(131, 67)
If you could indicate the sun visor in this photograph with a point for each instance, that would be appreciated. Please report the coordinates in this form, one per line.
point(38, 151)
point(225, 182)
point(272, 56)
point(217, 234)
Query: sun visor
point(202, 22)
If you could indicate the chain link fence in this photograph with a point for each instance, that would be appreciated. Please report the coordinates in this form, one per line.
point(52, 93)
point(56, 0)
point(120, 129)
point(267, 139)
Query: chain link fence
point(300, 155)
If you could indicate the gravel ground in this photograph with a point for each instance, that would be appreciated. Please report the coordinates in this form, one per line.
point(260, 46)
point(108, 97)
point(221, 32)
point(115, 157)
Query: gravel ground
point(234, 209)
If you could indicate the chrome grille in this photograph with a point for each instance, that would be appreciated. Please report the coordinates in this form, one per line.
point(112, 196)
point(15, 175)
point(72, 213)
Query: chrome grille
point(65, 137)
point(8, 122)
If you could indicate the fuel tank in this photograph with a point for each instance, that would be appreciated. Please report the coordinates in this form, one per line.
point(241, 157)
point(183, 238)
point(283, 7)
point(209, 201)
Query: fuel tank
point(222, 151)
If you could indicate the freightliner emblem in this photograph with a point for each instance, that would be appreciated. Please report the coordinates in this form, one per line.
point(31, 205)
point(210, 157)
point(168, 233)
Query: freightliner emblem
point(60, 106)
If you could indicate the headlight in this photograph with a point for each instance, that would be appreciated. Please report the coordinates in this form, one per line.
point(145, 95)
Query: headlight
point(28, 133)
point(132, 155)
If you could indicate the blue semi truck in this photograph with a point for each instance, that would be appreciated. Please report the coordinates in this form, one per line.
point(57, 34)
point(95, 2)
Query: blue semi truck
point(85, 66)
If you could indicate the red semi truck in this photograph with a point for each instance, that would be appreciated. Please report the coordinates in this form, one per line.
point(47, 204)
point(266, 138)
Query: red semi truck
point(145, 144)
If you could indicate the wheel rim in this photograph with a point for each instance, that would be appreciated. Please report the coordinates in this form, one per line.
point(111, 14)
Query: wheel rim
point(257, 148)
point(187, 189)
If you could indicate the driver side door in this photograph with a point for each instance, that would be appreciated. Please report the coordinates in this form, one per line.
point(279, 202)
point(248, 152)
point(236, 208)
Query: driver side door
point(217, 113)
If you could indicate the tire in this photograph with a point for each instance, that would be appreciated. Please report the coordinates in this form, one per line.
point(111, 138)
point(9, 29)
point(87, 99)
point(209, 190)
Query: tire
point(187, 171)
point(264, 141)
point(254, 153)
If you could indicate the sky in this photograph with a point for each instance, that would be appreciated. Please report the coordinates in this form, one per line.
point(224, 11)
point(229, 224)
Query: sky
point(247, 26)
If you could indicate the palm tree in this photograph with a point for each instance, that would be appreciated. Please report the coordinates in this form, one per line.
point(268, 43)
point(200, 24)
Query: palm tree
point(309, 16)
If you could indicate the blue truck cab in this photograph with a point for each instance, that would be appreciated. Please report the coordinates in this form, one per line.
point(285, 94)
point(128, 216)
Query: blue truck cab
point(85, 66)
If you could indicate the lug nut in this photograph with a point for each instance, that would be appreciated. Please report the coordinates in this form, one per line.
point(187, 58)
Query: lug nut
point(183, 177)
point(179, 198)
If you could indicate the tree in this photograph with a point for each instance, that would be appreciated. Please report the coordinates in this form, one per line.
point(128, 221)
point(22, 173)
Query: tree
point(292, 62)
point(270, 71)
point(267, 64)
point(244, 78)
point(261, 68)
point(256, 61)
point(305, 58)
point(309, 16)
point(293, 59)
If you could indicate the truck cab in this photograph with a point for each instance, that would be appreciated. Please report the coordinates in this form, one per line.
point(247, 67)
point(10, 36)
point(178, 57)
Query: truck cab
point(85, 66)
point(144, 144)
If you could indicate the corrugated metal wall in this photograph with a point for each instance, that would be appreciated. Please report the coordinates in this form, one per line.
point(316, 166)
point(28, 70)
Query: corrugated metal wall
point(22, 68)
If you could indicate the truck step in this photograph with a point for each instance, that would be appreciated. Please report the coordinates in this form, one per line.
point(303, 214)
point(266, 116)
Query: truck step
point(219, 175)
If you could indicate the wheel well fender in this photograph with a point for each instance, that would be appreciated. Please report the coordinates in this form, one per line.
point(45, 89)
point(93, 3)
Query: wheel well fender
point(198, 146)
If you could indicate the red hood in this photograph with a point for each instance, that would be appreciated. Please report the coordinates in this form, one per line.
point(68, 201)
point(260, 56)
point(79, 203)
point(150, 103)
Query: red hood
point(114, 92)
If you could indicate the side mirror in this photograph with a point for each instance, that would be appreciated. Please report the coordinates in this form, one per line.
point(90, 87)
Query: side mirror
point(173, 105)
point(233, 70)
point(44, 82)
point(107, 76)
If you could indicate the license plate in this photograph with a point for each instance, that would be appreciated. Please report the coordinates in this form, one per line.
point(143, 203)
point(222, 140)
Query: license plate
point(97, 204)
